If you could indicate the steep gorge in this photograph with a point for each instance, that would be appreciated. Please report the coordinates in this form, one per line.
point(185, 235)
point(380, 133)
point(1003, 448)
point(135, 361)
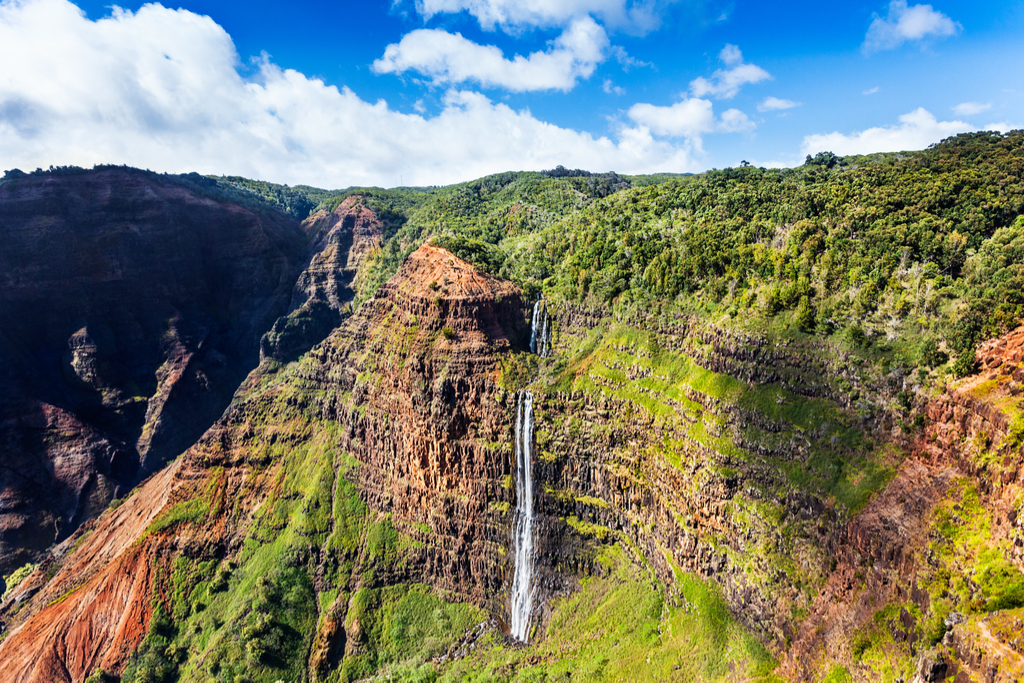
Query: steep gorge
point(410, 384)
point(132, 307)
point(709, 501)
point(409, 405)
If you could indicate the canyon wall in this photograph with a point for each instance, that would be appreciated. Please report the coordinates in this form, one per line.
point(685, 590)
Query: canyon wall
point(382, 460)
point(410, 385)
point(132, 305)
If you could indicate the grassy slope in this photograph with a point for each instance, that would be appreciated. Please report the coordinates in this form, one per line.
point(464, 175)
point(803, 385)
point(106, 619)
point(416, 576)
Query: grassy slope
point(622, 626)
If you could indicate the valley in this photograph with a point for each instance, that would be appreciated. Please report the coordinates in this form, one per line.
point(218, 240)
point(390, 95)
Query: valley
point(746, 425)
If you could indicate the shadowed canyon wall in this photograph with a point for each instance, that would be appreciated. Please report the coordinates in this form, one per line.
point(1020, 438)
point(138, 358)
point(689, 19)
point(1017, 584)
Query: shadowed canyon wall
point(131, 307)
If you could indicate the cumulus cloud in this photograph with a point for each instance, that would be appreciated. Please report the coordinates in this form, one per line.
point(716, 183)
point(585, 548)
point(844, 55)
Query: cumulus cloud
point(915, 130)
point(731, 54)
point(734, 121)
point(970, 108)
point(725, 83)
point(448, 58)
point(160, 88)
point(636, 16)
point(612, 89)
point(776, 104)
point(689, 118)
point(905, 23)
point(1002, 126)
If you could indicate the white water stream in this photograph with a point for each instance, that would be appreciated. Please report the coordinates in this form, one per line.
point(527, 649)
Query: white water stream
point(539, 322)
point(522, 529)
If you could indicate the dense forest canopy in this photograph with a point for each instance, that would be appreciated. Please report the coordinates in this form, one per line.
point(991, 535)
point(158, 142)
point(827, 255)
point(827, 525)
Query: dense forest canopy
point(891, 252)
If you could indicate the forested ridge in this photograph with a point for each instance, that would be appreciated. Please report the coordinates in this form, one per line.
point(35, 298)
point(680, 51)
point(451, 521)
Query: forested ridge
point(891, 252)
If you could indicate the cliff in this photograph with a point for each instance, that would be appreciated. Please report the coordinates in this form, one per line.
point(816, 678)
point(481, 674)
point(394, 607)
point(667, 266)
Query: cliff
point(381, 461)
point(928, 575)
point(391, 429)
point(132, 307)
point(340, 243)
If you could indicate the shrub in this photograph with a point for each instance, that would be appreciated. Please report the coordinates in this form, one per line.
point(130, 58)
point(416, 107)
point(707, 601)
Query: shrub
point(805, 318)
point(965, 364)
point(930, 354)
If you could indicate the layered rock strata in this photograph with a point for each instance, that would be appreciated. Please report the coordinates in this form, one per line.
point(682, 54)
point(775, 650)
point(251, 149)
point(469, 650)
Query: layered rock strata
point(410, 380)
point(131, 306)
point(414, 380)
point(340, 243)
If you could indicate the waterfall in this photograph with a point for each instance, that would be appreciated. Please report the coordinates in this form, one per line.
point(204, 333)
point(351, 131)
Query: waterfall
point(522, 526)
point(522, 529)
point(533, 325)
point(539, 322)
point(544, 335)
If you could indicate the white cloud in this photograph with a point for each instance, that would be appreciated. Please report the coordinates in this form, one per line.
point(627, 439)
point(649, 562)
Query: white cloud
point(725, 83)
point(970, 108)
point(734, 121)
point(448, 58)
point(612, 89)
point(871, 91)
point(635, 16)
point(915, 130)
point(1001, 126)
point(689, 118)
point(776, 104)
point(160, 88)
point(905, 23)
point(731, 54)
point(625, 59)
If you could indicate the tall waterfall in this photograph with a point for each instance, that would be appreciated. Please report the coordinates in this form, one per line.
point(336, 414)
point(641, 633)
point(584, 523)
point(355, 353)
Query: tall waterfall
point(522, 530)
point(544, 335)
point(539, 323)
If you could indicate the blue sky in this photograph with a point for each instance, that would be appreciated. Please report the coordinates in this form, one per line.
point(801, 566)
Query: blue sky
point(437, 91)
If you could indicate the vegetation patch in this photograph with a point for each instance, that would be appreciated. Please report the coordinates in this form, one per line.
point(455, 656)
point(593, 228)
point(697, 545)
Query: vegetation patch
point(621, 627)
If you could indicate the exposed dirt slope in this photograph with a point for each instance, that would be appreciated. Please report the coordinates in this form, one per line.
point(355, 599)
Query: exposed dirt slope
point(95, 609)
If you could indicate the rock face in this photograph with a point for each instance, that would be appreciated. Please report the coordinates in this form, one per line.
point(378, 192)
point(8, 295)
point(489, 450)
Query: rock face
point(891, 553)
point(340, 242)
point(411, 379)
point(131, 307)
